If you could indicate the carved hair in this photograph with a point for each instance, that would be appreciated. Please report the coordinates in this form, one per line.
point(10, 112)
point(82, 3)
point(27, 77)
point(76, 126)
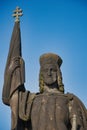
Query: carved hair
point(59, 81)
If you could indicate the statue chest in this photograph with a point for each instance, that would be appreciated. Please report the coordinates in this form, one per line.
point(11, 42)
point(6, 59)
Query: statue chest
point(49, 111)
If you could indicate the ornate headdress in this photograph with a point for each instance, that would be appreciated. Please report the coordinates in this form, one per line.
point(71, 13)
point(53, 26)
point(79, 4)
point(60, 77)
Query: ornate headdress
point(50, 58)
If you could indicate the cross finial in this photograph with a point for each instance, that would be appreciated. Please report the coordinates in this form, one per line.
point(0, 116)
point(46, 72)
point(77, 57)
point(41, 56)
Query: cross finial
point(17, 14)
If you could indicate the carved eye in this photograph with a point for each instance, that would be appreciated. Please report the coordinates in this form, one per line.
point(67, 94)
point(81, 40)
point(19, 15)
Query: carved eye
point(53, 70)
point(45, 70)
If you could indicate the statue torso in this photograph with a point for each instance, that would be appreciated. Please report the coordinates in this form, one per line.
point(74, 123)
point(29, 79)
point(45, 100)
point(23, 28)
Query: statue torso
point(50, 112)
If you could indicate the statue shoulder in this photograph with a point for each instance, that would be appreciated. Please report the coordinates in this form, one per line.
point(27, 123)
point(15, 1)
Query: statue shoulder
point(77, 106)
point(71, 96)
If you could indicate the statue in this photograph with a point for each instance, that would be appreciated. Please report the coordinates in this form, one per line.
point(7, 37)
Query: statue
point(49, 109)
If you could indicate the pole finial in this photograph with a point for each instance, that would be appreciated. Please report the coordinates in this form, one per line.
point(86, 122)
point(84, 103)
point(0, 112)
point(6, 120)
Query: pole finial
point(17, 14)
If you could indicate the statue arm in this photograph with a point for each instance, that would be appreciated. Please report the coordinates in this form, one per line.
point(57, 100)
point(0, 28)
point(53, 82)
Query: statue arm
point(14, 110)
point(77, 113)
point(21, 105)
point(7, 81)
point(13, 89)
point(14, 78)
point(76, 122)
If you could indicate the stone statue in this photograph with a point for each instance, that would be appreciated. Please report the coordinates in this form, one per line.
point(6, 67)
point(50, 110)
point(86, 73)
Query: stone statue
point(49, 109)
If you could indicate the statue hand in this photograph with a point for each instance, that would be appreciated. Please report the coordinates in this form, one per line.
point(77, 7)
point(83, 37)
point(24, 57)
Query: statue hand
point(15, 63)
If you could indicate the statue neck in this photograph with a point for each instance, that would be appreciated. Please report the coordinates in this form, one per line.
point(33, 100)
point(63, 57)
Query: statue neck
point(51, 89)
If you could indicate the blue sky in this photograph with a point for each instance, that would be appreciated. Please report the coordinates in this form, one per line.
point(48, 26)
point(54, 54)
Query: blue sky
point(47, 26)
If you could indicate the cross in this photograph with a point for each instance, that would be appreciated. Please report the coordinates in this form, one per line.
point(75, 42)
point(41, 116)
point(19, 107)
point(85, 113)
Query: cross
point(17, 14)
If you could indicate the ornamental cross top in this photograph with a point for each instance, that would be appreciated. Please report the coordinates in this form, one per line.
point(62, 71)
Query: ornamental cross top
point(17, 14)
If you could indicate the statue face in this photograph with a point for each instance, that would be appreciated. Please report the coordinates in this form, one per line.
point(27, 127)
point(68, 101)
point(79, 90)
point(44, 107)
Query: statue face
point(49, 72)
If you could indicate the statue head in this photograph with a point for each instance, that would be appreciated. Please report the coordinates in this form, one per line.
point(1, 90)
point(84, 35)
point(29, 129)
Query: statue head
point(50, 73)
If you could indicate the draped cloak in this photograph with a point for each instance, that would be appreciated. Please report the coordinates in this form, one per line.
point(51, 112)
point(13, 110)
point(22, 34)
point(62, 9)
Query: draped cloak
point(50, 111)
point(45, 111)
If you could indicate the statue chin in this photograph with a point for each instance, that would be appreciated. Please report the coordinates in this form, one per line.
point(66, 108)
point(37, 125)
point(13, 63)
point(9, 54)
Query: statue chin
point(51, 84)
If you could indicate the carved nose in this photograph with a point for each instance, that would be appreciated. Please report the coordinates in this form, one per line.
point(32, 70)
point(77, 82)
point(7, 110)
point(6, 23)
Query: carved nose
point(49, 72)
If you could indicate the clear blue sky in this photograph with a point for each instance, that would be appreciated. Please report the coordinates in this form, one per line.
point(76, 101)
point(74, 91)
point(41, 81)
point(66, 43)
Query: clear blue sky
point(58, 26)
